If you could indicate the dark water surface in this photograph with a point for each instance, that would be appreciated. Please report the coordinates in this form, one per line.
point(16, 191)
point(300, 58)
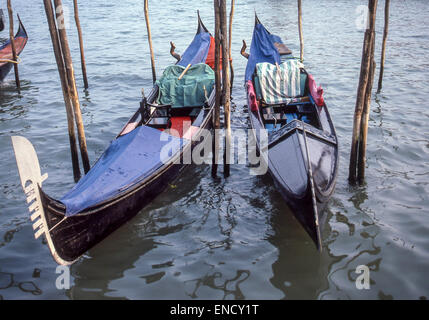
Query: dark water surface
point(234, 238)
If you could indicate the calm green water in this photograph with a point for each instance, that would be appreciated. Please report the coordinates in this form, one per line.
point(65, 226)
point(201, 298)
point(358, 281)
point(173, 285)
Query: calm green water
point(234, 238)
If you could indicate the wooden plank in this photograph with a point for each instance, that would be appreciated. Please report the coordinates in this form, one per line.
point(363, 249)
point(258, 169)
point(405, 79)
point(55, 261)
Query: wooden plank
point(184, 72)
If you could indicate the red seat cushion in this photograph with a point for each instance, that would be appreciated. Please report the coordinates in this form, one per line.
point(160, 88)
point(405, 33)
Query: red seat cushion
point(180, 125)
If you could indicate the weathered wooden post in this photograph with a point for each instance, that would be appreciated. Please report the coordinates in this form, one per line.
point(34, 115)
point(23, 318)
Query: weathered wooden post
point(149, 37)
point(301, 37)
point(218, 88)
point(383, 50)
point(365, 117)
point(12, 41)
point(62, 72)
point(231, 18)
point(72, 86)
point(357, 146)
point(226, 88)
point(82, 54)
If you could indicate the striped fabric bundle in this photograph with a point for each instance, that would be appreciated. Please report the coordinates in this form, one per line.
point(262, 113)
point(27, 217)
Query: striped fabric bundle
point(279, 83)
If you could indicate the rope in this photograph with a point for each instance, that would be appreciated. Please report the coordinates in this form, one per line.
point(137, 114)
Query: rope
point(11, 61)
point(57, 224)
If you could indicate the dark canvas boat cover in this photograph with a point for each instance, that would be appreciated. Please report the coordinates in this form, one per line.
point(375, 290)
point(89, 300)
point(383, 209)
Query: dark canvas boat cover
point(262, 49)
point(128, 160)
point(190, 90)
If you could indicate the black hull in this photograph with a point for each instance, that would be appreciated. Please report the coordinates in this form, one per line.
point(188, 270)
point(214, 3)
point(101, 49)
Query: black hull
point(288, 166)
point(291, 175)
point(77, 234)
point(4, 71)
point(304, 211)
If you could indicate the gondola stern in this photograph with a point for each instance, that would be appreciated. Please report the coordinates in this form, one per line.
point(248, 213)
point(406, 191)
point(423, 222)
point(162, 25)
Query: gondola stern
point(201, 26)
point(257, 21)
point(309, 219)
point(22, 32)
point(31, 182)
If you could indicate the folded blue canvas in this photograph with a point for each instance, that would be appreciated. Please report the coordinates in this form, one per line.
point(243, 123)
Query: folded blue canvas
point(129, 159)
point(197, 51)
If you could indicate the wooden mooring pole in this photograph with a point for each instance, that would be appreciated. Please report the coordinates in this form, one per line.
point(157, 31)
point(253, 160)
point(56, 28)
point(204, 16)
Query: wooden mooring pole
point(363, 99)
point(218, 88)
point(68, 63)
point(301, 36)
point(231, 18)
point(383, 50)
point(50, 16)
point(12, 42)
point(365, 116)
point(149, 37)
point(226, 88)
point(82, 54)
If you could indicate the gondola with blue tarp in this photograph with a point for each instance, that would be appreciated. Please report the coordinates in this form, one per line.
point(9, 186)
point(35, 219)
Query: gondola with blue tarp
point(301, 149)
point(136, 167)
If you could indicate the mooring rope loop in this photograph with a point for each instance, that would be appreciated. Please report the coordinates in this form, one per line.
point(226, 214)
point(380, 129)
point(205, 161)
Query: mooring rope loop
point(18, 60)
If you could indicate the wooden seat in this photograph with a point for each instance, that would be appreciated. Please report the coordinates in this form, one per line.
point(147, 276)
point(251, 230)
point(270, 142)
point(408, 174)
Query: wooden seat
point(179, 126)
point(282, 49)
point(158, 122)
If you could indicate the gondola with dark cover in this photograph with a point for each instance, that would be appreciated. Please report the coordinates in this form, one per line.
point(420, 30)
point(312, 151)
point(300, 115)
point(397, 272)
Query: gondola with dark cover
point(138, 165)
point(6, 54)
point(301, 148)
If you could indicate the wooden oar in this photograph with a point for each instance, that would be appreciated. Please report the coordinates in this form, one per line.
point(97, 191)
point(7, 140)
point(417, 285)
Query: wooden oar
point(313, 194)
point(184, 72)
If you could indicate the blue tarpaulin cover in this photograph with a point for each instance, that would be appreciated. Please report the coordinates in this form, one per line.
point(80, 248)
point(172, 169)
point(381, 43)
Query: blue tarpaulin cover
point(197, 51)
point(129, 159)
point(275, 38)
point(134, 156)
point(262, 49)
